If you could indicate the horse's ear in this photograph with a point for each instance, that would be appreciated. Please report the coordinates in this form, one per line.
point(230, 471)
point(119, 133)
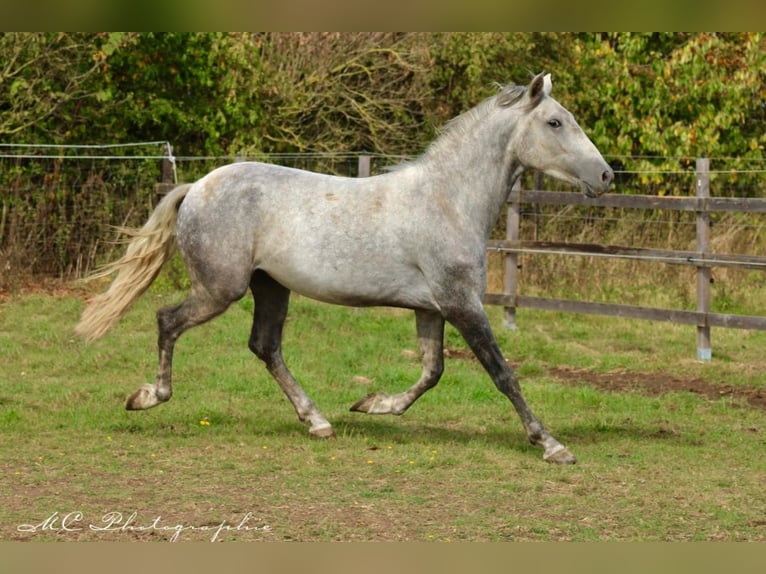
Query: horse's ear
point(547, 84)
point(539, 87)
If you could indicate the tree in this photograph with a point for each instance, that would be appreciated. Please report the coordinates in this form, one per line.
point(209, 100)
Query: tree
point(197, 90)
point(662, 100)
point(44, 80)
point(344, 91)
point(469, 66)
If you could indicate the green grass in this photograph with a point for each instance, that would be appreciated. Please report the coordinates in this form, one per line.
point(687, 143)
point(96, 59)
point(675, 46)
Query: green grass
point(456, 466)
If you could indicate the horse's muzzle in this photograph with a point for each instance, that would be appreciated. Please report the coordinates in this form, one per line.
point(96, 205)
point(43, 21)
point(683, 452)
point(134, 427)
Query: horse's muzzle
point(607, 176)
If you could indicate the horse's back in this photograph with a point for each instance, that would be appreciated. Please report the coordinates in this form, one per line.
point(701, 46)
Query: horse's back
point(332, 238)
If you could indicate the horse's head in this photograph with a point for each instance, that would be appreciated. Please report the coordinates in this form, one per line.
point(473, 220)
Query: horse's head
point(549, 139)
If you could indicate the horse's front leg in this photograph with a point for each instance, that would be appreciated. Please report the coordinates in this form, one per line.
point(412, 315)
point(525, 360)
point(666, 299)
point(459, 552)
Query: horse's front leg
point(474, 327)
point(271, 302)
point(430, 327)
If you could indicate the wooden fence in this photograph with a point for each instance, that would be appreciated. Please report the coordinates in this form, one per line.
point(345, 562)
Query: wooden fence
point(702, 258)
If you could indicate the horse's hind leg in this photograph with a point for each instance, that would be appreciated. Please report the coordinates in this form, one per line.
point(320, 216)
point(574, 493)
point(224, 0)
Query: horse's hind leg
point(430, 327)
point(271, 302)
point(173, 321)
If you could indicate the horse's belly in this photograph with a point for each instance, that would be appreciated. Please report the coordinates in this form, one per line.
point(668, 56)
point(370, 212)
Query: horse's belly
point(358, 285)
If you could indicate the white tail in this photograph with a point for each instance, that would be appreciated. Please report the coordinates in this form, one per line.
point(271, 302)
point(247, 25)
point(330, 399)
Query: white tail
point(150, 247)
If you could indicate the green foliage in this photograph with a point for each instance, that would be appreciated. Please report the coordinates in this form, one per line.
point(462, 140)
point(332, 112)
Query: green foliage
point(45, 79)
point(638, 94)
point(468, 66)
point(672, 97)
point(197, 90)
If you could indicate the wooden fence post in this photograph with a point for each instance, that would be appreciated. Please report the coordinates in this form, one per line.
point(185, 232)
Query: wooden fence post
point(364, 166)
point(511, 278)
point(168, 164)
point(704, 350)
point(168, 171)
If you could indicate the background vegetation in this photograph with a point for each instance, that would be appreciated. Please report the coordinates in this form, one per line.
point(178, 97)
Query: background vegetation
point(652, 102)
point(660, 94)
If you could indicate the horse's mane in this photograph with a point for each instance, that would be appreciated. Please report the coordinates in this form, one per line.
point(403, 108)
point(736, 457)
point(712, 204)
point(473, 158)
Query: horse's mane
point(457, 127)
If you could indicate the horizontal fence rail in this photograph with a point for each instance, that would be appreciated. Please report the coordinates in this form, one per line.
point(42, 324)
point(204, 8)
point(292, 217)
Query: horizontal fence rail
point(703, 258)
point(697, 318)
point(674, 257)
point(709, 204)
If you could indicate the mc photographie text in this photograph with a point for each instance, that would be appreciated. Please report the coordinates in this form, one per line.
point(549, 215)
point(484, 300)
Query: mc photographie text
point(76, 521)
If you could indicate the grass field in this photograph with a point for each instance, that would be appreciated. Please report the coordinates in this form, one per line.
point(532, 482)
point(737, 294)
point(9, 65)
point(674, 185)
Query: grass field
point(227, 459)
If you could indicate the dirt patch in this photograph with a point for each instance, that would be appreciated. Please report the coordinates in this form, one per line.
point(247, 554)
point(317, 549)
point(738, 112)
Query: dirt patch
point(19, 287)
point(658, 384)
point(653, 384)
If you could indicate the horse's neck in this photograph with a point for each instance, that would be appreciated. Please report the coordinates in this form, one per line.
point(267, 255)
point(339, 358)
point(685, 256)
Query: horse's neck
point(478, 180)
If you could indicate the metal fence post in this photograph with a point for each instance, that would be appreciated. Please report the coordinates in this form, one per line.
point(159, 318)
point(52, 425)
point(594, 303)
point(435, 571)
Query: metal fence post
point(704, 349)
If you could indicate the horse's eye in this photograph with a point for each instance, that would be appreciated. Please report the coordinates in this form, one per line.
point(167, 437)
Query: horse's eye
point(554, 123)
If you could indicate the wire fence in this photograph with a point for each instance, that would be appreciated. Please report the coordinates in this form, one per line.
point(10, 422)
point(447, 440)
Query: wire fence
point(59, 204)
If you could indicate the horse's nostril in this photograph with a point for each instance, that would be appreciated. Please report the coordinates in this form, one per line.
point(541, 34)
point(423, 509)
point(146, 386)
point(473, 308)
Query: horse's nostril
point(606, 176)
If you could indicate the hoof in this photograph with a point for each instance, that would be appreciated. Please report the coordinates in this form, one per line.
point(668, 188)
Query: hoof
point(364, 404)
point(322, 433)
point(136, 400)
point(144, 398)
point(379, 404)
point(559, 455)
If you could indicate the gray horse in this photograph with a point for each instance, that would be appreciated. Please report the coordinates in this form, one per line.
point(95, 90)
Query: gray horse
point(414, 237)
